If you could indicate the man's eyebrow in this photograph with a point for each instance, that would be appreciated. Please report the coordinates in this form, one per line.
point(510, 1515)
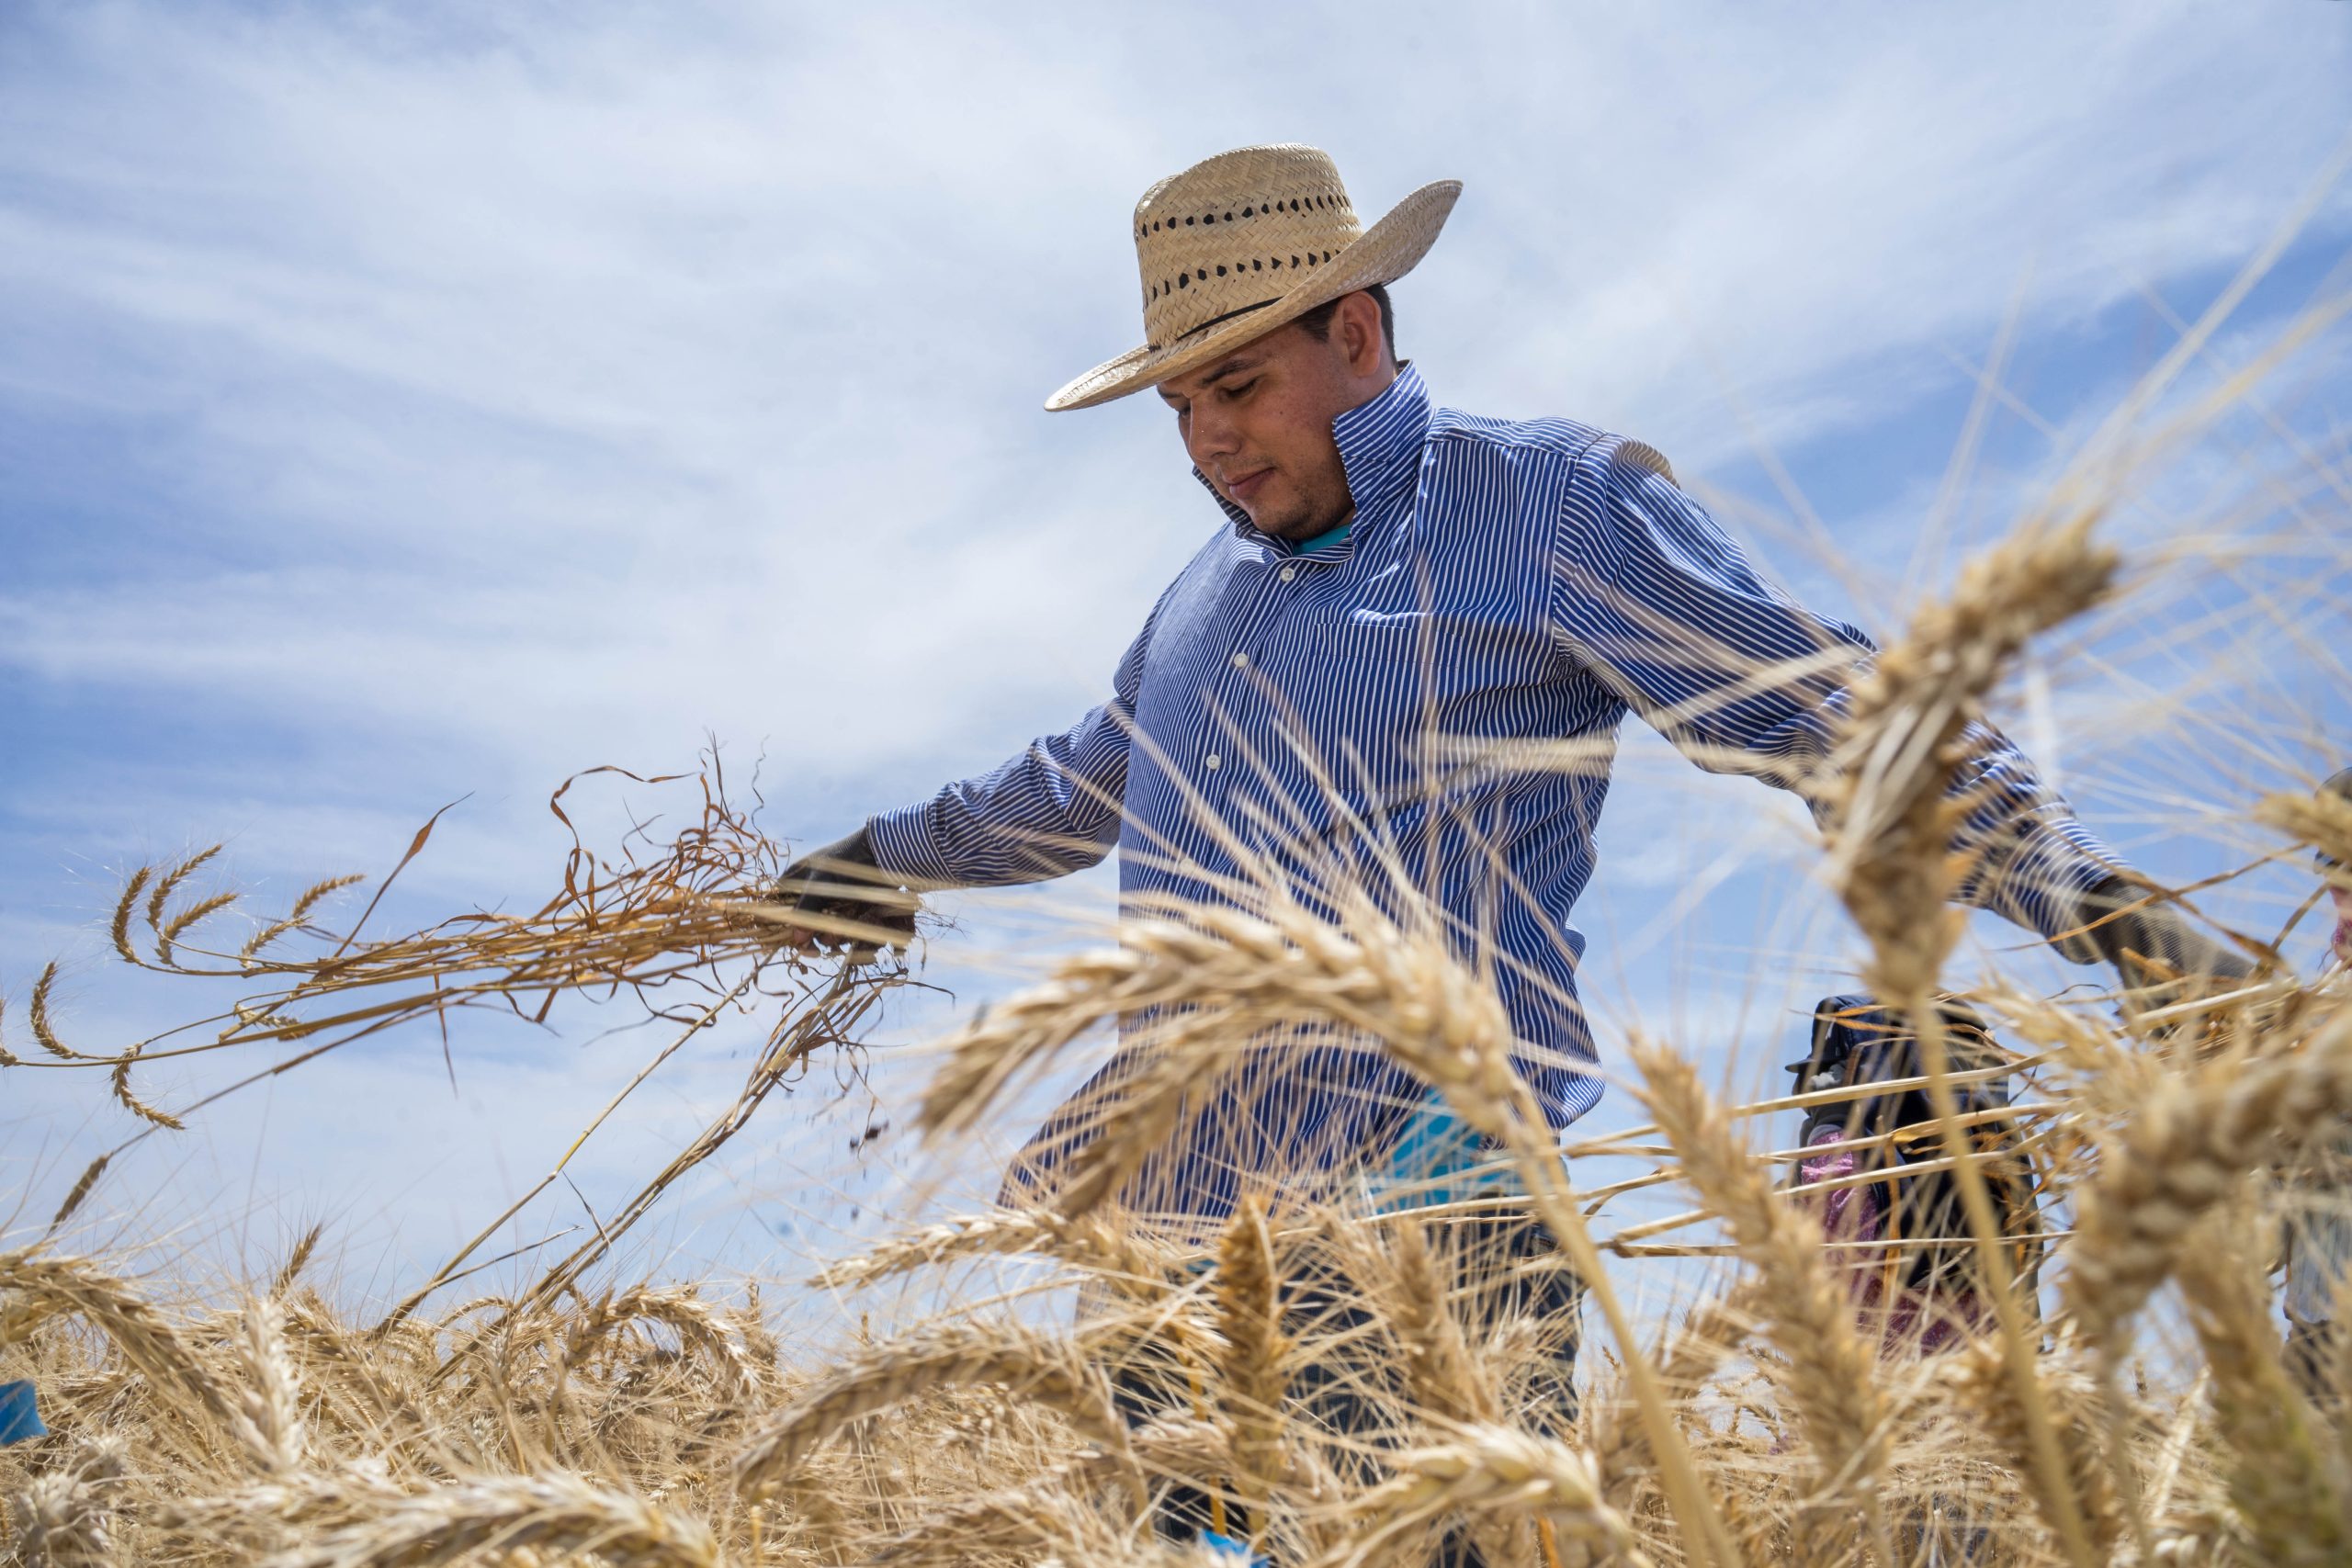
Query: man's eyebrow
point(1232, 365)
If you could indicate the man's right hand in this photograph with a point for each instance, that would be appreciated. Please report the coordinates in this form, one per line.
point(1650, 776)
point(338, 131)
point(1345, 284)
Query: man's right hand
point(2157, 951)
point(852, 903)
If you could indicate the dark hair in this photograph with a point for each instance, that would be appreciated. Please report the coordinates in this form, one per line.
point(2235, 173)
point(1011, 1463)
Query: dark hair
point(1317, 322)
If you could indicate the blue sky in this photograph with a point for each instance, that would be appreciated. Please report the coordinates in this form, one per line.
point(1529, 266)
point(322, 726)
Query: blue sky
point(400, 403)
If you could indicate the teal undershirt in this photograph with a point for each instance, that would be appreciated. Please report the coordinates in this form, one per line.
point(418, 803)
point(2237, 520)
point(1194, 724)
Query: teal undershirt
point(1330, 538)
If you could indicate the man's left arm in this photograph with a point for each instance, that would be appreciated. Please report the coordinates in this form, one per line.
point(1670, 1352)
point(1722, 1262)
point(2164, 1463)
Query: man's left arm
point(1658, 598)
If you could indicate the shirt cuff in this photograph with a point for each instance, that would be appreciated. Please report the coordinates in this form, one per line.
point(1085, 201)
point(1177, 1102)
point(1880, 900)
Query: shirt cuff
point(904, 844)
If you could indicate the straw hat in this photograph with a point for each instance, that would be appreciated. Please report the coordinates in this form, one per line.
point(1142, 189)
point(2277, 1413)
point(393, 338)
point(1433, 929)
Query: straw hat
point(1242, 243)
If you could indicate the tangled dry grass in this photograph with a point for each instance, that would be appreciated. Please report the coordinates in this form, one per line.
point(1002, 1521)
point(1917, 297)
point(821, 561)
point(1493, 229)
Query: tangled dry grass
point(1337, 1384)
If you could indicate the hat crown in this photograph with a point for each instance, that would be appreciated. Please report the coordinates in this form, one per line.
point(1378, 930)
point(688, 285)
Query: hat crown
point(1237, 232)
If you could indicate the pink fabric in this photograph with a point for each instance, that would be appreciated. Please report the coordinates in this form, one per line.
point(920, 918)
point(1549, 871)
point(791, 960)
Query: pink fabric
point(1908, 1321)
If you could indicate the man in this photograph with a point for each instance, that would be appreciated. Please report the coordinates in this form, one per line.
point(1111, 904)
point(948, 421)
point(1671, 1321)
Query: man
point(1404, 595)
point(1400, 582)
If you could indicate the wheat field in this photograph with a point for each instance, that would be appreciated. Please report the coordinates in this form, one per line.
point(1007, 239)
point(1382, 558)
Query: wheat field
point(2123, 1398)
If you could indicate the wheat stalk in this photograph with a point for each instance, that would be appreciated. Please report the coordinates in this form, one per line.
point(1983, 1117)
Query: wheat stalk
point(44, 1032)
point(548, 1513)
point(1093, 1244)
point(1833, 1378)
point(272, 1397)
point(1976, 1374)
point(1029, 1365)
point(2322, 821)
point(698, 1324)
point(47, 1287)
point(2285, 1466)
point(249, 953)
point(1253, 1384)
point(2181, 1153)
point(64, 1518)
point(160, 898)
point(1484, 1468)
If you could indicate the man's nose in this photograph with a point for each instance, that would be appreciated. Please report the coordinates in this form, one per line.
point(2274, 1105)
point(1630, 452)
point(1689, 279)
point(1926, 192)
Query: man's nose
point(1209, 433)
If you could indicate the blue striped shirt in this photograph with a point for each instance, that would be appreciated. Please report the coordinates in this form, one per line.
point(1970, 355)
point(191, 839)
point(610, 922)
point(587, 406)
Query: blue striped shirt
point(1505, 585)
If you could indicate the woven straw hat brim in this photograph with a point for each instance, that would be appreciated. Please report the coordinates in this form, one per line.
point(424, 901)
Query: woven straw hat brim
point(1384, 253)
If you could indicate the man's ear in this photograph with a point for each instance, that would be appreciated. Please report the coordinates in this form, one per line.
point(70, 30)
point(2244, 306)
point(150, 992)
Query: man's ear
point(1360, 337)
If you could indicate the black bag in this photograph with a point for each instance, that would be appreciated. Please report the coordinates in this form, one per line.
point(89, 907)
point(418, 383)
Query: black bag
point(1856, 1042)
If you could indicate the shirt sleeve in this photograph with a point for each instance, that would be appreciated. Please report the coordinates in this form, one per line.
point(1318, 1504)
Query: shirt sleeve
point(1048, 811)
point(1658, 601)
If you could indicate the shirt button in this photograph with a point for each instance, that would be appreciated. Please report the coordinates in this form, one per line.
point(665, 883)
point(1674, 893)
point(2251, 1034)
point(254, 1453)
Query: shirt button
point(1209, 762)
point(1241, 661)
point(1290, 573)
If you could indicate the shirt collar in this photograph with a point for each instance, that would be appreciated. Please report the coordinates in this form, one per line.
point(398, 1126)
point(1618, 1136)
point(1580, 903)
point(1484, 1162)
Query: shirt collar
point(1380, 446)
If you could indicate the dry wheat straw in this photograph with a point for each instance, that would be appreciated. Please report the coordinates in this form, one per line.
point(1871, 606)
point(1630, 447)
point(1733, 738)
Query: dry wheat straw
point(119, 1079)
point(550, 1512)
point(38, 1011)
point(296, 1259)
point(1253, 1384)
point(292, 920)
point(1892, 811)
point(2322, 821)
point(1047, 1371)
point(1101, 1247)
point(2285, 1467)
point(1710, 1331)
point(1833, 1375)
point(699, 1327)
point(169, 883)
point(119, 929)
point(65, 1519)
point(1977, 1375)
point(1440, 1371)
point(2182, 1152)
point(46, 1287)
point(272, 1397)
point(1484, 1468)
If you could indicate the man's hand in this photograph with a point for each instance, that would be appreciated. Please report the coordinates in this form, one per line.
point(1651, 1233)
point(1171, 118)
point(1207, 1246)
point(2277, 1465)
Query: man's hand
point(852, 904)
point(2153, 946)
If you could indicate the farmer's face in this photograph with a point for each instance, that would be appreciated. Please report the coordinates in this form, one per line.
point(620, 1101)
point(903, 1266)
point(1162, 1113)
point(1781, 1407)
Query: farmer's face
point(1257, 422)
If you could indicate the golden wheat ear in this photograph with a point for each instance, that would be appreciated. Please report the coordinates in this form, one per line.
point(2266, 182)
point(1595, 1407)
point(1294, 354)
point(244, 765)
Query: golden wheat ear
point(2284, 1463)
point(1483, 1468)
point(1833, 1375)
point(70, 1517)
point(553, 1515)
point(1978, 1376)
point(1027, 1364)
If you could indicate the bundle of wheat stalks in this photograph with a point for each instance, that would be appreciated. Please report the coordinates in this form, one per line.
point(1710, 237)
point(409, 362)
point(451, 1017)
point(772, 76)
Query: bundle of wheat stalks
point(1767, 1421)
